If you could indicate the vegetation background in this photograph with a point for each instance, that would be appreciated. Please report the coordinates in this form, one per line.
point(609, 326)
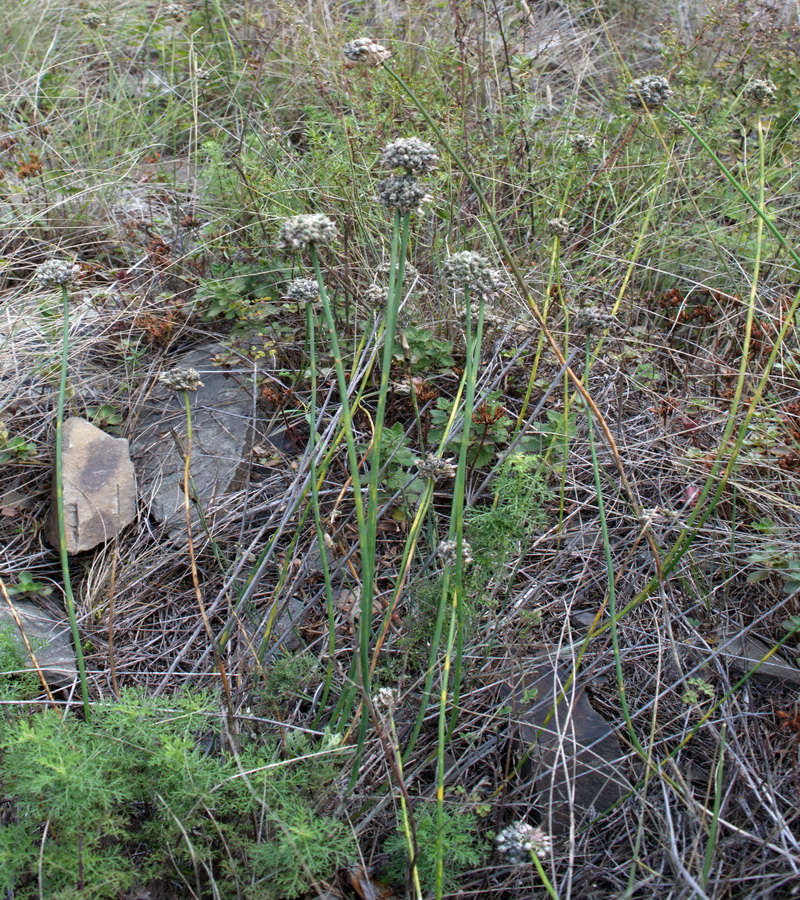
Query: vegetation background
point(638, 518)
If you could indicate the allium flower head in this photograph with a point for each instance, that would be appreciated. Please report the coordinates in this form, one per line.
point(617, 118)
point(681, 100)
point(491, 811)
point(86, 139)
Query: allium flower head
point(434, 467)
point(582, 143)
point(366, 51)
point(402, 192)
point(57, 272)
point(411, 154)
point(559, 227)
point(520, 840)
point(181, 380)
point(376, 295)
point(300, 231)
point(92, 21)
point(471, 270)
point(446, 551)
point(306, 290)
point(592, 320)
point(173, 11)
point(759, 91)
point(386, 699)
point(649, 92)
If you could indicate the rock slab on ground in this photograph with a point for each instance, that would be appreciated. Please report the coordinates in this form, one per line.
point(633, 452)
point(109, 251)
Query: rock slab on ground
point(573, 758)
point(222, 436)
point(50, 639)
point(99, 487)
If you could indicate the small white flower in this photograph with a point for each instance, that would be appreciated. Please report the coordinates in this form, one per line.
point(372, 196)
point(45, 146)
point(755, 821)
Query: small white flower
point(582, 143)
point(520, 840)
point(759, 91)
point(57, 272)
point(376, 295)
point(559, 227)
point(592, 320)
point(434, 467)
point(306, 290)
point(446, 551)
point(471, 270)
point(181, 380)
point(366, 51)
point(649, 92)
point(386, 699)
point(300, 231)
point(402, 192)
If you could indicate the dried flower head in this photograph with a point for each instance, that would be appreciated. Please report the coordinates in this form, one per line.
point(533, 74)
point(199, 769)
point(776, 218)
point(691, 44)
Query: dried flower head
point(386, 700)
point(520, 840)
point(300, 231)
point(759, 91)
point(57, 272)
point(582, 144)
point(559, 227)
point(402, 192)
point(305, 290)
point(677, 127)
point(366, 51)
point(592, 320)
point(173, 11)
point(181, 380)
point(376, 295)
point(649, 92)
point(468, 269)
point(411, 154)
point(446, 551)
point(434, 467)
point(92, 21)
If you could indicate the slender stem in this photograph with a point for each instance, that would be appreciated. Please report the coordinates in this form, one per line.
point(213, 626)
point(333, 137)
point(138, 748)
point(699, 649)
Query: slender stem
point(59, 486)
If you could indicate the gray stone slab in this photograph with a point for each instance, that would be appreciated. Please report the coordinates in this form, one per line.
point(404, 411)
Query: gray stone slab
point(99, 487)
point(50, 639)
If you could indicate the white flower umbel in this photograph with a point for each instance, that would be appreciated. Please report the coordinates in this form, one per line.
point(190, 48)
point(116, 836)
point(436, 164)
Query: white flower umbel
point(402, 192)
point(433, 467)
point(365, 51)
point(582, 144)
point(446, 551)
point(300, 231)
point(411, 154)
point(592, 320)
point(181, 380)
point(759, 91)
point(649, 92)
point(57, 272)
point(304, 290)
point(468, 269)
point(559, 227)
point(92, 21)
point(518, 841)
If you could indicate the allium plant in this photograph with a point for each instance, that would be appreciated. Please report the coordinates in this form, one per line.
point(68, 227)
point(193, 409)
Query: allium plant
point(411, 154)
point(301, 232)
point(648, 93)
point(365, 51)
point(759, 91)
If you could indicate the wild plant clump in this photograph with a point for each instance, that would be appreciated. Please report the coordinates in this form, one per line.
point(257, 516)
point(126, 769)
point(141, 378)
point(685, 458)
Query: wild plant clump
point(647, 93)
point(300, 231)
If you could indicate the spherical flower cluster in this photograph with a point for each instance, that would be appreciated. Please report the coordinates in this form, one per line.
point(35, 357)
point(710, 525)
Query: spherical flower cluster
point(386, 699)
point(759, 91)
point(680, 127)
point(411, 154)
point(181, 380)
point(592, 320)
point(92, 21)
point(173, 11)
point(57, 272)
point(305, 290)
point(376, 295)
point(649, 92)
point(402, 192)
point(446, 551)
point(582, 143)
point(468, 269)
point(433, 467)
point(559, 227)
point(520, 840)
point(300, 231)
point(365, 50)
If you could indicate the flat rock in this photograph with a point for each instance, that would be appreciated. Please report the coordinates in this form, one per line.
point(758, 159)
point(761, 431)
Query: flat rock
point(50, 639)
point(573, 759)
point(99, 487)
point(223, 430)
point(744, 652)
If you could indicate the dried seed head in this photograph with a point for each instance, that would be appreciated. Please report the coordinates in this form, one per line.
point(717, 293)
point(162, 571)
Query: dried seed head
point(582, 144)
point(434, 467)
point(402, 192)
point(92, 21)
point(305, 290)
point(173, 11)
point(446, 551)
point(365, 51)
point(759, 91)
point(300, 231)
point(181, 380)
point(376, 295)
point(680, 127)
point(471, 270)
point(386, 700)
point(592, 320)
point(559, 227)
point(57, 272)
point(411, 154)
point(518, 841)
point(649, 92)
